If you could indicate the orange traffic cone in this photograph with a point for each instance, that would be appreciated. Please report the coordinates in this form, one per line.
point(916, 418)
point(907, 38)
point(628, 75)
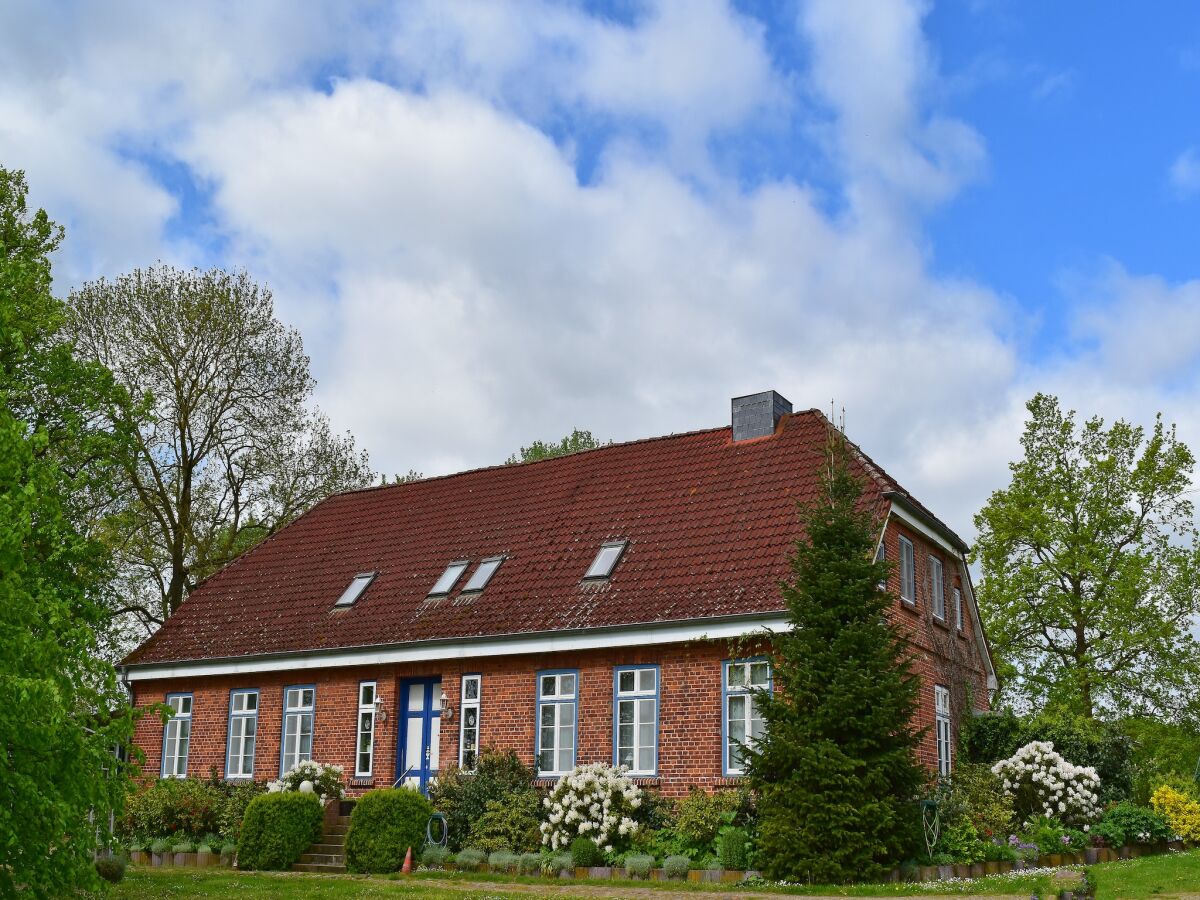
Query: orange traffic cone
point(407, 867)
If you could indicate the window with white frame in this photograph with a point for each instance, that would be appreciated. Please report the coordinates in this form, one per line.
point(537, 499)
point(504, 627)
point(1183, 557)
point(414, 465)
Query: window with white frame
point(937, 588)
point(298, 705)
point(364, 758)
point(908, 573)
point(742, 718)
point(635, 738)
point(243, 731)
point(468, 724)
point(881, 556)
point(958, 617)
point(556, 711)
point(941, 701)
point(177, 736)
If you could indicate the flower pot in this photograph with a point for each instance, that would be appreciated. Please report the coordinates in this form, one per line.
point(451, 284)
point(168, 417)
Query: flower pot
point(1091, 855)
point(227, 859)
point(945, 873)
point(928, 873)
point(185, 859)
point(732, 875)
point(962, 870)
point(978, 870)
point(204, 858)
point(602, 872)
point(139, 857)
point(991, 867)
point(658, 875)
point(1125, 852)
point(1054, 860)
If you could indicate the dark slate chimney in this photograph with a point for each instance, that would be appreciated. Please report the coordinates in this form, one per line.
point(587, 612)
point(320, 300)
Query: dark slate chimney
point(756, 415)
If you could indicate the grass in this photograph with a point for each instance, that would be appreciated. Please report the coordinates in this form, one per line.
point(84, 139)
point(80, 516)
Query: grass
point(1148, 876)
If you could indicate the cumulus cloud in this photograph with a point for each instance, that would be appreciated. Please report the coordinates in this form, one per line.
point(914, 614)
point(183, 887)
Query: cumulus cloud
point(1185, 171)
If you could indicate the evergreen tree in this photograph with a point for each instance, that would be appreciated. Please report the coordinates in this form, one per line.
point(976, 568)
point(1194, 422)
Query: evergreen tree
point(836, 772)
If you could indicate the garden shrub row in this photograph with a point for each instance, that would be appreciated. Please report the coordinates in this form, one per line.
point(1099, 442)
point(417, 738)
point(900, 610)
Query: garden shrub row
point(383, 826)
point(278, 828)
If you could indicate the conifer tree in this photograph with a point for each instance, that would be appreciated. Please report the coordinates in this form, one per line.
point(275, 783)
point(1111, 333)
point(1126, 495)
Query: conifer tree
point(836, 771)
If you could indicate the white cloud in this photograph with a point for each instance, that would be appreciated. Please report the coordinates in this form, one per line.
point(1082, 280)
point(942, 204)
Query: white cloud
point(1185, 172)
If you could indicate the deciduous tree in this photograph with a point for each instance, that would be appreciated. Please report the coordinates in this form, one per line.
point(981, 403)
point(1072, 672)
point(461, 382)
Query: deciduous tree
point(574, 442)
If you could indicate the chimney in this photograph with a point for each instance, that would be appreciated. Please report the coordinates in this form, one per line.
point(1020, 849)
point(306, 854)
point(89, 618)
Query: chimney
point(756, 415)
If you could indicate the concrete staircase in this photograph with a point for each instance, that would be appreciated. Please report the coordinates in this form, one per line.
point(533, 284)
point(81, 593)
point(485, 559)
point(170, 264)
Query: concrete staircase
point(329, 854)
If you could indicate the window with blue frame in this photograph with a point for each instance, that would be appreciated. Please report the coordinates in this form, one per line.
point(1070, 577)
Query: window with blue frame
point(243, 731)
point(635, 711)
point(557, 707)
point(743, 723)
point(177, 736)
point(299, 704)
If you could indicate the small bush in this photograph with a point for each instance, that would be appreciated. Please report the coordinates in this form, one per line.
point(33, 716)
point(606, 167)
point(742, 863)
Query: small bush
point(237, 797)
point(136, 845)
point(434, 856)
point(111, 868)
point(1180, 811)
point(596, 800)
point(529, 863)
point(277, 829)
point(161, 845)
point(178, 807)
point(560, 862)
point(510, 823)
point(584, 852)
point(503, 861)
point(1127, 823)
point(183, 847)
point(204, 848)
point(676, 867)
point(1042, 782)
point(384, 824)
point(228, 850)
point(733, 846)
point(700, 816)
point(638, 865)
point(326, 780)
point(469, 860)
point(463, 796)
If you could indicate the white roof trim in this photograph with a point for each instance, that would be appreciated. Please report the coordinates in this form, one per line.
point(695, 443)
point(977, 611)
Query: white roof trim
point(917, 525)
point(505, 645)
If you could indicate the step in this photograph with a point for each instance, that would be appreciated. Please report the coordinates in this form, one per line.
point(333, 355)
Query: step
point(319, 868)
point(328, 847)
point(323, 859)
point(343, 820)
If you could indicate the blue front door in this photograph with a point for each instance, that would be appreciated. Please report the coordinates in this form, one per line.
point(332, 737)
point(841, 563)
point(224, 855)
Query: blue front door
point(419, 738)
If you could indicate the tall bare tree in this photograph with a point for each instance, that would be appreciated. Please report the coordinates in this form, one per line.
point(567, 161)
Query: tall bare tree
point(226, 447)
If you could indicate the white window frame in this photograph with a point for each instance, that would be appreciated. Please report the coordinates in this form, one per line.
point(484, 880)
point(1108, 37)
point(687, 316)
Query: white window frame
point(881, 556)
point(177, 733)
point(598, 571)
point(296, 714)
point(365, 729)
point(469, 703)
point(941, 705)
point(565, 703)
point(908, 572)
point(741, 688)
point(642, 704)
point(243, 729)
point(958, 616)
point(937, 588)
point(483, 574)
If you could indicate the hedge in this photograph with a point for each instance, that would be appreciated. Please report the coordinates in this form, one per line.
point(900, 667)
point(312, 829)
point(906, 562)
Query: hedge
point(278, 828)
point(383, 826)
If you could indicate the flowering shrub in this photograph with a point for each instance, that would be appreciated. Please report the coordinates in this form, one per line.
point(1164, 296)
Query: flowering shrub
point(594, 801)
point(322, 780)
point(1042, 783)
point(1181, 812)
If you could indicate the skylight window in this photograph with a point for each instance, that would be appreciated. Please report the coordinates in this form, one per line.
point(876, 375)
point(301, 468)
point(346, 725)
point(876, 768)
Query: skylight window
point(449, 578)
point(482, 575)
point(359, 584)
point(606, 560)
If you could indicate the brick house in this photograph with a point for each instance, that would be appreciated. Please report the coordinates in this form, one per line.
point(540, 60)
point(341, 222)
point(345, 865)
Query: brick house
point(600, 606)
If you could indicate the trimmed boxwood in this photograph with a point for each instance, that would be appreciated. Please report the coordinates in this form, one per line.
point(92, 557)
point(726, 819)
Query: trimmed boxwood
point(278, 828)
point(383, 825)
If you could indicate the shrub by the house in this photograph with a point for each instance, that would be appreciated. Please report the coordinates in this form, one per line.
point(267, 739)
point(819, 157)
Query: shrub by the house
point(173, 807)
point(312, 777)
point(383, 826)
point(1041, 782)
point(233, 809)
point(594, 801)
point(462, 796)
point(509, 823)
point(277, 829)
point(1127, 823)
point(1180, 810)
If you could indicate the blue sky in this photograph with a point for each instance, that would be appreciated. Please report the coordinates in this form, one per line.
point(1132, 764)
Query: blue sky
point(497, 221)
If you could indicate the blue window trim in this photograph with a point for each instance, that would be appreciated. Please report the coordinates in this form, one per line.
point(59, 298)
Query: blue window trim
point(537, 721)
point(162, 767)
point(725, 694)
point(617, 670)
point(478, 704)
point(358, 707)
point(229, 733)
point(283, 720)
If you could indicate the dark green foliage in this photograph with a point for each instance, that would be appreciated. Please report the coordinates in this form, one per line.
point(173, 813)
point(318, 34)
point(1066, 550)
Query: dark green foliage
point(574, 442)
point(699, 816)
point(463, 796)
point(837, 772)
point(111, 868)
point(510, 823)
point(1162, 751)
point(733, 847)
point(182, 807)
point(1084, 742)
point(383, 826)
point(1127, 823)
point(975, 796)
point(278, 828)
point(584, 852)
point(236, 797)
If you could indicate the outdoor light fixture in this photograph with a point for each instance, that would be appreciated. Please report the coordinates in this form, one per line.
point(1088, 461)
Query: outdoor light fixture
point(447, 709)
point(379, 710)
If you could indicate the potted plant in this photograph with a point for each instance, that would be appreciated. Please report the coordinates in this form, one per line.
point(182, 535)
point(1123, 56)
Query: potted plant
point(204, 855)
point(228, 854)
point(137, 853)
point(160, 852)
point(675, 868)
point(185, 853)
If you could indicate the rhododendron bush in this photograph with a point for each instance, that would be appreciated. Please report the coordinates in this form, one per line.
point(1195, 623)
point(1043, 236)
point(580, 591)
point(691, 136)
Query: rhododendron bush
point(1042, 783)
point(311, 778)
point(594, 801)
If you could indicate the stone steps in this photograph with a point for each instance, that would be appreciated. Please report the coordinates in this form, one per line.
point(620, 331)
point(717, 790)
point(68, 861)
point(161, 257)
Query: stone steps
point(328, 855)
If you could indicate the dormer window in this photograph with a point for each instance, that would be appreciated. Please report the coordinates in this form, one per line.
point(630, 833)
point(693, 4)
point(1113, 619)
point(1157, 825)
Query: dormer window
point(481, 576)
point(359, 584)
point(449, 578)
point(606, 560)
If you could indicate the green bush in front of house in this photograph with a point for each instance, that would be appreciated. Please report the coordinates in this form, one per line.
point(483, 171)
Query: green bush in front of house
point(383, 826)
point(177, 807)
point(463, 796)
point(277, 829)
point(510, 823)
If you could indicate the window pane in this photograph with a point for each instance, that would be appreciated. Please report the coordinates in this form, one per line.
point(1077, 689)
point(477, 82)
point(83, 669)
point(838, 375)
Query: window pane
point(625, 712)
point(646, 710)
point(470, 716)
point(307, 697)
point(646, 734)
point(735, 757)
point(625, 736)
point(366, 695)
point(566, 714)
point(737, 707)
point(646, 759)
point(448, 578)
point(548, 740)
point(416, 697)
point(606, 559)
point(546, 761)
point(483, 574)
point(737, 731)
point(760, 674)
point(566, 737)
point(365, 722)
point(567, 685)
point(625, 681)
point(625, 757)
point(646, 680)
point(548, 686)
point(564, 760)
point(548, 714)
point(737, 675)
point(471, 689)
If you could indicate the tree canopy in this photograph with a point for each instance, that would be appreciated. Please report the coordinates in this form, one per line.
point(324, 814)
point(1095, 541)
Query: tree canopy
point(574, 442)
point(1091, 568)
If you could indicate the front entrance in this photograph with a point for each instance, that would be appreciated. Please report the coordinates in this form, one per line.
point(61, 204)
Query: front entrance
point(419, 738)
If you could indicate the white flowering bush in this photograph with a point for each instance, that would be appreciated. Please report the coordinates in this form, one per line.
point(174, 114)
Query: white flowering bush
point(311, 778)
point(1042, 783)
point(594, 801)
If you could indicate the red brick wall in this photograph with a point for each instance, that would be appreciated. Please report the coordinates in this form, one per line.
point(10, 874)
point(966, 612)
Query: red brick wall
point(690, 697)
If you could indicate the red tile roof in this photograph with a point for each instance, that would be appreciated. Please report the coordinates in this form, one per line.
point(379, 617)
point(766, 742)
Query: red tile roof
point(710, 525)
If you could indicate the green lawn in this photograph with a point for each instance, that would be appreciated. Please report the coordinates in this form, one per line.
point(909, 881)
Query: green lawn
point(1150, 876)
